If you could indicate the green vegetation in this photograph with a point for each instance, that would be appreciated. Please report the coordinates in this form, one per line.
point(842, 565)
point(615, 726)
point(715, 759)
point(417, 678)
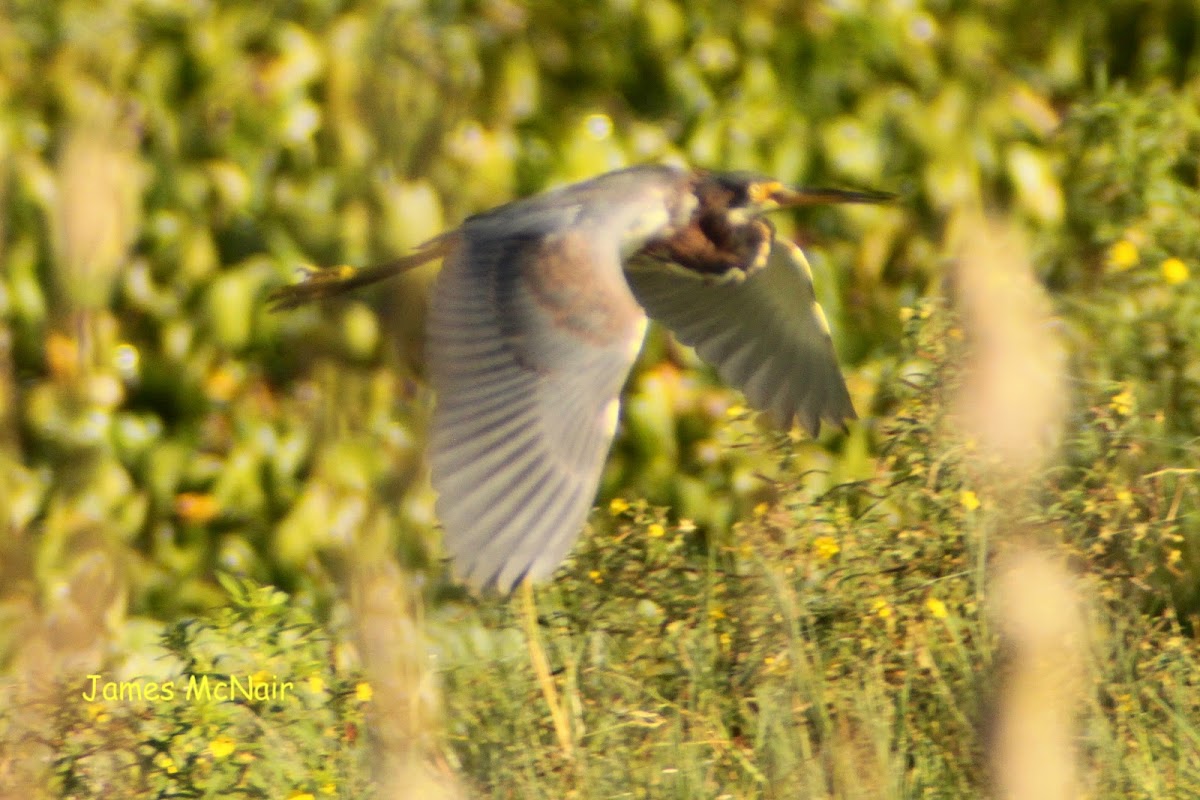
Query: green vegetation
point(261, 688)
point(751, 614)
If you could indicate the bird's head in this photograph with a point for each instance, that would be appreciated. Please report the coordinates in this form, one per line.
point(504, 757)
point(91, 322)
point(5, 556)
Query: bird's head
point(742, 196)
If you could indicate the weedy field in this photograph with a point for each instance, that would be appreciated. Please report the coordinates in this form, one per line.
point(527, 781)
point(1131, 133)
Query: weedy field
point(989, 585)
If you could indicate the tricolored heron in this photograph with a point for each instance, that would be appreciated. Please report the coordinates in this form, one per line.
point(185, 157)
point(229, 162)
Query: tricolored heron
point(539, 312)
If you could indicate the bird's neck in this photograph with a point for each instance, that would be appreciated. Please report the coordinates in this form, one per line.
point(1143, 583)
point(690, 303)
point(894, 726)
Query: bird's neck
point(713, 247)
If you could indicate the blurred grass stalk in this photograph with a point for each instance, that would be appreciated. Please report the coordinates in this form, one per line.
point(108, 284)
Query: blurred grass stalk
point(1011, 407)
point(96, 212)
point(62, 639)
point(64, 632)
point(405, 723)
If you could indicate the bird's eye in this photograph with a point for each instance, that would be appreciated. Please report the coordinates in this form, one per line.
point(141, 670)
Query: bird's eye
point(762, 192)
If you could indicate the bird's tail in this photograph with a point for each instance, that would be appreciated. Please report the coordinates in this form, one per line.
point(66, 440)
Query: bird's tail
point(331, 281)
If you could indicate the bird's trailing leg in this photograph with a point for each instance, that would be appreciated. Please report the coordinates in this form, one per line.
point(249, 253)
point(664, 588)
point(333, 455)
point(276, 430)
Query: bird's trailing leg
point(541, 668)
point(330, 281)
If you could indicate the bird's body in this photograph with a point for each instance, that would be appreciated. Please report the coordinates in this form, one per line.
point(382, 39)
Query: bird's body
point(538, 315)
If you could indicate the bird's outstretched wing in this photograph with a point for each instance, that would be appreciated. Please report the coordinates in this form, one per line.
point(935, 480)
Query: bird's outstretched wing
point(531, 338)
point(766, 335)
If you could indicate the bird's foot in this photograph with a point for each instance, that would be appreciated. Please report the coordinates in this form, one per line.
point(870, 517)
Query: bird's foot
point(316, 285)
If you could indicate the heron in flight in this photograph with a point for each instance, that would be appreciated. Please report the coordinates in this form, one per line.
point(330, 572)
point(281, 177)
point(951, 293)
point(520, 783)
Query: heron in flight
point(539, 312)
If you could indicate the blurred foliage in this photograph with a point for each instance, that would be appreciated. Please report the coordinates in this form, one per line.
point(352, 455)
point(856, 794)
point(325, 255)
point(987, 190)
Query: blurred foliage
point(165, 163)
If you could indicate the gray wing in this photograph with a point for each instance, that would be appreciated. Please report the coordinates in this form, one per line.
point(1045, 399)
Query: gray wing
point(531, 338)
point(766, 335)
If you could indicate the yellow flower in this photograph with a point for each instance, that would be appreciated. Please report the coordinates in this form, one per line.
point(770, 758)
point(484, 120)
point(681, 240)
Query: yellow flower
point(301, 796)
point(1174, 271)
point(826, 547)
point(1122, 255)
point(328, 788)
point(165, 763)
point(716, 612)
point(196, 507)
point(315, 684)
point(221, 384)
point(761, 510)
point(618, 506)
point(735, 410)
point(595, 577)
point(1124, 497)
point(1122, 402)
point(221, 747)
point(936, 608)
point(1174, 557)
point(881, 608)
point(906, 313)
point(655, 531)
point(968, 499)
point(62, 355)
point(364, 692)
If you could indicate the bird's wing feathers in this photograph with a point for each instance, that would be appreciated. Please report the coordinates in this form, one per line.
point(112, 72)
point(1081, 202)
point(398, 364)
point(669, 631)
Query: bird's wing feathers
point(766, 335)
point(527, 368)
